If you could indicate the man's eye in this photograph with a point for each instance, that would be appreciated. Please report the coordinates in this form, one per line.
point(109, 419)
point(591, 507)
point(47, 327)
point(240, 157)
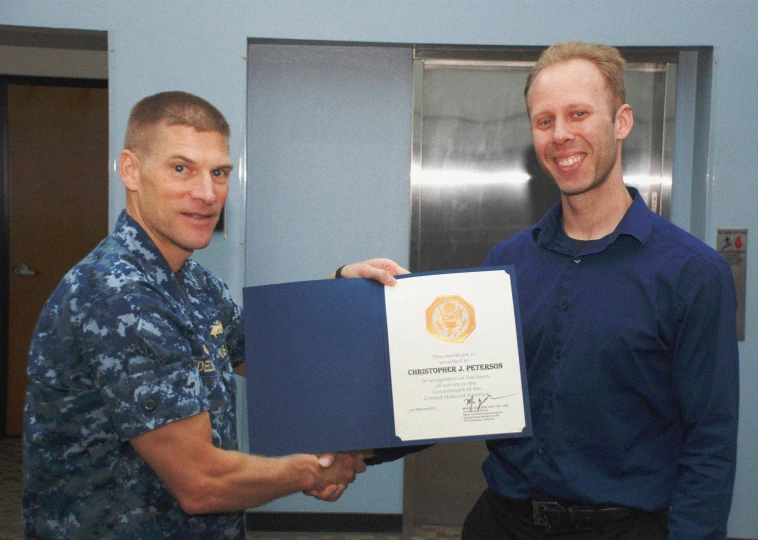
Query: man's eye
point(179, 168)
point(222, 174)
point(580, 114)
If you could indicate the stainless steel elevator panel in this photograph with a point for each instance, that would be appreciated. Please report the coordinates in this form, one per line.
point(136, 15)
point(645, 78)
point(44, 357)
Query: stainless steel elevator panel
point(475, 179)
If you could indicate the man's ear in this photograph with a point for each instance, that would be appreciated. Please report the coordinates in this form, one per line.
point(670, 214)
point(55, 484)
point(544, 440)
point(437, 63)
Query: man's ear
point(624, 121)
point(129, 169)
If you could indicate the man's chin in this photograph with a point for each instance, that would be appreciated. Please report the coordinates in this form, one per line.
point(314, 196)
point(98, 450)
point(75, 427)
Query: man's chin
point(572, 189)
point(189, 247)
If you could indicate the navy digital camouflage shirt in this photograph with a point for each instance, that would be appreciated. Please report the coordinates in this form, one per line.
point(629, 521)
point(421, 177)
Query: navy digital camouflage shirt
point(124, 346)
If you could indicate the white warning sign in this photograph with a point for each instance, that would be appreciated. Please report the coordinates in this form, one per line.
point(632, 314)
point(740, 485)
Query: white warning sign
point(732, 244)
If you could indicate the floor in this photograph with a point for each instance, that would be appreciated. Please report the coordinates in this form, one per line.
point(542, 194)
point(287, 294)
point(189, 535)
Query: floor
point(427, 532)
point(10, 508)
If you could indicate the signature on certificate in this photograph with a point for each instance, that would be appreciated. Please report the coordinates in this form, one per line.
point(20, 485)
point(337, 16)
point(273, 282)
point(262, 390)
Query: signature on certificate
point(474, 402)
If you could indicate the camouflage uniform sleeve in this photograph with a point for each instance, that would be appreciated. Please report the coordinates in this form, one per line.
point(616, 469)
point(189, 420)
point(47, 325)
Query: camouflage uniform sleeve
point(140, 352)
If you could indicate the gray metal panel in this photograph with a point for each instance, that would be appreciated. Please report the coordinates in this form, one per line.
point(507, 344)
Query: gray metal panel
point(472, 187)
point(691, 168)
point(328, 158)
point(648, 151)
point(686, 97)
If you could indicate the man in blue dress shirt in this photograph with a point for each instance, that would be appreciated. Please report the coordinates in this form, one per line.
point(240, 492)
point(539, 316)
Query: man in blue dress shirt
point(630, 340)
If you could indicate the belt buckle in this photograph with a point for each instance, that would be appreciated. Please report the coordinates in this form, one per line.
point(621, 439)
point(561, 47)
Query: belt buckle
point(540, 509)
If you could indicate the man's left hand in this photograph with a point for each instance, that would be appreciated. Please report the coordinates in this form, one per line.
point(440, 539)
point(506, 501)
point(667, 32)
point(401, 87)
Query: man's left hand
point(382, 270)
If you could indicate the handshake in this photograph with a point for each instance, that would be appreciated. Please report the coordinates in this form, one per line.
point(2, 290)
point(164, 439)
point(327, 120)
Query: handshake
point(335, 472)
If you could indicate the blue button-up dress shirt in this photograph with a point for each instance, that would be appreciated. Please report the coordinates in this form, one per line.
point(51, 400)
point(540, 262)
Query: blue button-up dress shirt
point(632, 364)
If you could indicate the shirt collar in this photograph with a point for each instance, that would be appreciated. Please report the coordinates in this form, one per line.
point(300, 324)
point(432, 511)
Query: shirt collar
point(636, 223)
point(136, 239)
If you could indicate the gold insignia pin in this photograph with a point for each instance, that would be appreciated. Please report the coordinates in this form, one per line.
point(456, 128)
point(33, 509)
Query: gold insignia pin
point(450, 319)
point(217, 329)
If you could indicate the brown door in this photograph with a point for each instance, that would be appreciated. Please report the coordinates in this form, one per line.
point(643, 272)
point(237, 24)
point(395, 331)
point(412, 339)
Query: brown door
point(57, 164)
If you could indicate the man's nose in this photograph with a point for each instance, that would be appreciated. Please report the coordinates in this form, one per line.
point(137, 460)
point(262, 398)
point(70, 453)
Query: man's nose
point(205, 189)
point(562, 132)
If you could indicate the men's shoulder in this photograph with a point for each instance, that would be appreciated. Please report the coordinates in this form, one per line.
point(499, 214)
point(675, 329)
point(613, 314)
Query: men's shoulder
point(511, 249)
point(674, 241)
point(107, 269)
point(688, 261)
point(110, 273)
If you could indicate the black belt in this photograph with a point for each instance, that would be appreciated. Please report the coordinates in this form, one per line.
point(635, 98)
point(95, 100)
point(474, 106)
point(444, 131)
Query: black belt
point(562, 514)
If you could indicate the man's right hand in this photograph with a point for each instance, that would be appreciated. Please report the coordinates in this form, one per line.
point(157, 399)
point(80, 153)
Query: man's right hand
point(340, 469)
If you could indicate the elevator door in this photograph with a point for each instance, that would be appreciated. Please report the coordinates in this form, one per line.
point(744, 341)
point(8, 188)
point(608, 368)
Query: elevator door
point(475, 181)
point(475, 178)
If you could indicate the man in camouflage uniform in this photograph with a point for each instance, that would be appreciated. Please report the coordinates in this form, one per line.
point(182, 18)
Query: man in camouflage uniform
point(130, 411)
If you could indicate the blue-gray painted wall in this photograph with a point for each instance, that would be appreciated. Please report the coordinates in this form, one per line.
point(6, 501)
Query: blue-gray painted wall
point(201, 47)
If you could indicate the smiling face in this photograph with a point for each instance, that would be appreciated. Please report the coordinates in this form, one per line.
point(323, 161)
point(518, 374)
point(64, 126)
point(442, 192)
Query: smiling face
point(176, 187)
point(577, 134)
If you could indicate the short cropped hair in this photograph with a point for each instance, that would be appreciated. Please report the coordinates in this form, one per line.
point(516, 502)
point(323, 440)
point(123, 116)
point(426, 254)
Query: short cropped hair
point(171, 108)
point(607, 59)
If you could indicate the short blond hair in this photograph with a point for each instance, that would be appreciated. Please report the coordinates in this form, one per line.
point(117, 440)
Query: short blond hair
point(171, 108)
point(607, 59)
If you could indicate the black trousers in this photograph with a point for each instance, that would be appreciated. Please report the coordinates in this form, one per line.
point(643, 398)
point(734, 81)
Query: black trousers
point(491, 519)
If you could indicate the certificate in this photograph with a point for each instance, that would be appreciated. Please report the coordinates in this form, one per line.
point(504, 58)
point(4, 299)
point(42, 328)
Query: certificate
point(349, 364)
point(454, 356)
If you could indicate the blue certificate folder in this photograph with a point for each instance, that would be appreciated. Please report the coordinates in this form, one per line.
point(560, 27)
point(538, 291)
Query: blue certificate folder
point(318, 367)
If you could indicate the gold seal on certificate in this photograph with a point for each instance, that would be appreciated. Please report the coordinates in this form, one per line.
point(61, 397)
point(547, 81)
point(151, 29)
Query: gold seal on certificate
point(450, 319)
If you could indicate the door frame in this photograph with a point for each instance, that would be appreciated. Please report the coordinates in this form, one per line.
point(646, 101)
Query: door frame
point(6, 80)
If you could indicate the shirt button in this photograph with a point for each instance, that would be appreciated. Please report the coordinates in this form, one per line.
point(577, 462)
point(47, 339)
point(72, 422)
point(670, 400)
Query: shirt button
point(549, 403)
point(557, 355)
point(543, 451)
point(149, 405)
point(564, 306)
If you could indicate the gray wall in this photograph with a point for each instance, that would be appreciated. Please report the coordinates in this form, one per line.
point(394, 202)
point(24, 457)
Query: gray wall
point(201, 47)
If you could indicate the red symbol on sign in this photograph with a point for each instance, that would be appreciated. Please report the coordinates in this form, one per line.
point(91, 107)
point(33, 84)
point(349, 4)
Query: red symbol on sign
point(738, 242)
